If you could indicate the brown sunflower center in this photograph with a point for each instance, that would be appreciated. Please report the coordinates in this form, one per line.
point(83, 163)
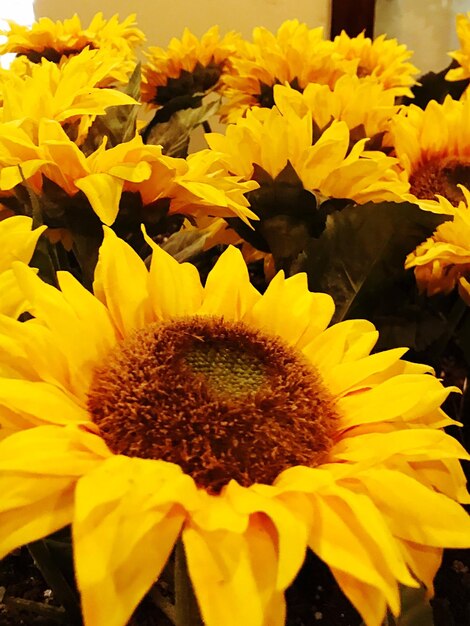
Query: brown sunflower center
point(441, 176)
point(51, 54)
point(363, 71)
point(218, 398)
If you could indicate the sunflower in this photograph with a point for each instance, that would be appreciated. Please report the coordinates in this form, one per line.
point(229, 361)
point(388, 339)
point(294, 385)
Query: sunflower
point(273, 138)
point(383, 60)
point(443, 260)
point(17, 243)
point(189, 66)
point(288, 435)
point(193, 186)
point(50, 40)
point(66, 93)
point(462, 56)
point(366, 106)
point(433, 149)
point(296, 55)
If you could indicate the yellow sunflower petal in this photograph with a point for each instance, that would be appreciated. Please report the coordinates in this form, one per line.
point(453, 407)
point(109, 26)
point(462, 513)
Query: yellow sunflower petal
point(124, 530)
point(444, 475)
point(233, 575)
point(40, 402)
point(368, 600)
point(228, 291)
point(414, 512)
point(12, 302)
point(51, 308)
point(175, 288)
point(104, 193)
point(345, 376)
point(17, 240)
point(345, 544)
point(423, 561)
point(121, 284)
point(33, 355)
point(91, 313)
point(402, 397)
point(343, 342)
point(38, 472)
point(292, 534)
point(412, 445)
point(289, 310)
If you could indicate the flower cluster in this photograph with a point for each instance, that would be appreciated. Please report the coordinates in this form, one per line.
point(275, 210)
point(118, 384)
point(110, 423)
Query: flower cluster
point(206, 426)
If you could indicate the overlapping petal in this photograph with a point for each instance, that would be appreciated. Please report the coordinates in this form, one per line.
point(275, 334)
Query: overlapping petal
point(272, 138)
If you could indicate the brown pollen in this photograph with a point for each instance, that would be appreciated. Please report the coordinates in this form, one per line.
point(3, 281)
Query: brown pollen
point(441, 176)
point(218, 398)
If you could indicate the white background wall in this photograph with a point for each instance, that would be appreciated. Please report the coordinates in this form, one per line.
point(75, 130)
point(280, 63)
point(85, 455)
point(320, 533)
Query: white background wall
point(425, 26)
point(163, 19)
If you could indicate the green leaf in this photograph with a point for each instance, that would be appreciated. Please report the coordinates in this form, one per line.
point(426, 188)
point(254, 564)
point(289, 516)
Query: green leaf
point(434, 86)
point(415, 609)
point(185, 244)
point(463, 336)
point(53, 575)
point(288, 215)
point(174, 135)
point(119, 122)
point(359, 260)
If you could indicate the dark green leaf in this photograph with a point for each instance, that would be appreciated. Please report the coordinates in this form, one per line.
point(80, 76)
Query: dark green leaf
point(185, 244)
point(415, 609)
point(463, 336)
point(434, 86)
point(119, 122)
point(359, 261)
point(286, 237)
point(288, 215)
point(174, 135)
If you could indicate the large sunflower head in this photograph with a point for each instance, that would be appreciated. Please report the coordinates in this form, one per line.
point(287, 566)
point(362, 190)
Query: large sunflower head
point(188, 67)
point(366, 106)
point(54, 40)
point(296, 55)
point(69, 93)
point(302, 173)
point(130, 174)
point(158, 409)
point(433, 148)
point(443, 261)
point(271, 139)
point(380, 59)
point(462, 56)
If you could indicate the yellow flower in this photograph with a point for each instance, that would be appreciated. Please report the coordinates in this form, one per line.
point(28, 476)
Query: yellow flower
point(383, 60)
point(235, 421)
point(296, 55)
point(462, 56)
point(443, 260)
point(17, 243)
point(433, 148)
point(189, 66)
point(52, 40)
point(270, 138)
point(366, 106)
point(193, 186)
point(67, 93)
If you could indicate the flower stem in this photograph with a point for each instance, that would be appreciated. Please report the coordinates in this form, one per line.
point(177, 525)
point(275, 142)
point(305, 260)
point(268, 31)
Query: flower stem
point(187, 610)
point(55, 579)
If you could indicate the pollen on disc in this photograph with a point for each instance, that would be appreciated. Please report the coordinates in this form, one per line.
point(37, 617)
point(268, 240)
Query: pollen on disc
point(221, 399)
